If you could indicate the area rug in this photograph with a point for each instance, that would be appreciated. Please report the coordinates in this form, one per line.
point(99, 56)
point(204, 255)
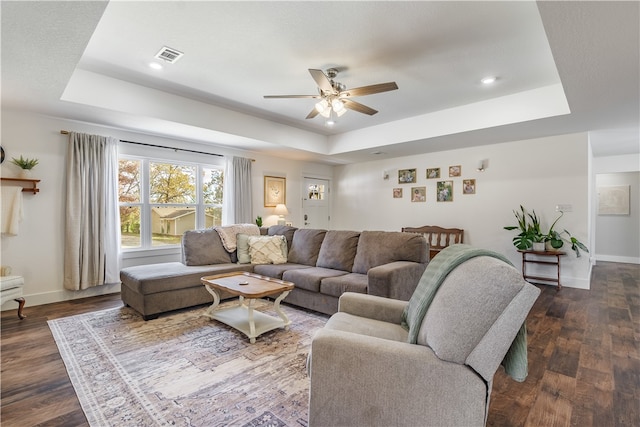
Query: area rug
point(184, 369)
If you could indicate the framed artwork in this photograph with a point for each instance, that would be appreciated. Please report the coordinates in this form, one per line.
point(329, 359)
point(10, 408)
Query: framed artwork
point(397, 193)
point(433, 173)
point(275, 191)
point(613, 200)
point(445, 191)
point(407, 176)
point(455, 170)
point(468, 186)
point(418, 194)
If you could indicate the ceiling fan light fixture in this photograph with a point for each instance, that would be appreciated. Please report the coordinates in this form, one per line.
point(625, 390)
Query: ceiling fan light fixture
point(322, 106)
point(341, 112)
point(337, 105)
point(326, 113)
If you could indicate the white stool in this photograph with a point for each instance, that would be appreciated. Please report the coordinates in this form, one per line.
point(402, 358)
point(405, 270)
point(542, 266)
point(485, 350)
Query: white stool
point(11, 289)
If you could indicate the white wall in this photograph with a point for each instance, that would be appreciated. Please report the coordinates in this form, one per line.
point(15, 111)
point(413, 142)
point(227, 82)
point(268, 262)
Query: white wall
point(37, 251)
point(538, 174)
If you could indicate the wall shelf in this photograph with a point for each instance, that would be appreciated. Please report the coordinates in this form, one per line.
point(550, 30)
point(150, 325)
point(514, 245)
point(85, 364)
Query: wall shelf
point(31, 184)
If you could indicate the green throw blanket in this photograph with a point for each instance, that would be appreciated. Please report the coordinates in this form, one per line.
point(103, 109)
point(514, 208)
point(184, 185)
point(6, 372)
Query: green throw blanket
point(515, 361)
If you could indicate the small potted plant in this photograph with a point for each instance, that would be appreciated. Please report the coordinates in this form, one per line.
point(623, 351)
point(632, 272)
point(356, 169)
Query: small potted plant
point(259, 221)
point(530, 236)
point(25, 165)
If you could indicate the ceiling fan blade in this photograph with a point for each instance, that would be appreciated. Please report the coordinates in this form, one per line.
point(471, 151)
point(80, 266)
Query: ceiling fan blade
point(291, 96)
point(322, 80)
point(370, 90)
point(356, 106)
point(312, 114)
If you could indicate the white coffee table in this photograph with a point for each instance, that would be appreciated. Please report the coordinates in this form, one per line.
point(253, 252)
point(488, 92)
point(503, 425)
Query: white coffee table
point(247, 286)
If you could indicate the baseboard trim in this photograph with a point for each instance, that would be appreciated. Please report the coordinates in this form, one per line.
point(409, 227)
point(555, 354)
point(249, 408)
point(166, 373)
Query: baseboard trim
point(616, 258)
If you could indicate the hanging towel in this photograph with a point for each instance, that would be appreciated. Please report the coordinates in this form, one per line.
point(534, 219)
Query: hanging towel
point(11, 210)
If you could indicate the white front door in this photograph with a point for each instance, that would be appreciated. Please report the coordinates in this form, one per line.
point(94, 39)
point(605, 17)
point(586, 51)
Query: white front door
point(315, 203)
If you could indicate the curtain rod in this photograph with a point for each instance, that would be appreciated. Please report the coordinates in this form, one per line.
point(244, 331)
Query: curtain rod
point(66, 132)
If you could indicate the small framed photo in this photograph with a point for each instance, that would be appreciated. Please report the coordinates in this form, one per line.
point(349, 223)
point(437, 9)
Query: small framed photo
point(468, 186)
point(418, 194)
point(433, 173)
point(455, 170)
point(397, 193)
point(275, 191)
point(445, 191)
point(406, 176)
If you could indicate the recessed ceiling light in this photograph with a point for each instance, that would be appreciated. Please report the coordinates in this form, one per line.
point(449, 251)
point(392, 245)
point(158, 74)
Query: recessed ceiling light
point(488, 80)
point(155, 65)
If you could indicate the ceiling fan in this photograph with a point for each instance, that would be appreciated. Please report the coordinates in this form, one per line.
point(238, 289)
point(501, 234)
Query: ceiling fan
point(335, 97)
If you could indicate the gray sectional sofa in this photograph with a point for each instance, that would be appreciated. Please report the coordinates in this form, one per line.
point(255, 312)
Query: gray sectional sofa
point(322, 264)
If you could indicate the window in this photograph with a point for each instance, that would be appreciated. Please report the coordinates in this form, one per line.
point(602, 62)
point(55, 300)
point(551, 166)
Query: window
point(160, 200)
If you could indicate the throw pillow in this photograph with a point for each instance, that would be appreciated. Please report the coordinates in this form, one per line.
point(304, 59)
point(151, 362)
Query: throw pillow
point(242, 245)
point(203, 247)
point(282, 230)
point(268, 249)
point(338, 250)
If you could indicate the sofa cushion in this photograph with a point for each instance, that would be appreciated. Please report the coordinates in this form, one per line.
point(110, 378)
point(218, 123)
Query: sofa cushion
point(276, 270)
point(282, 230)
point(352, 282)
point(338, 250)
point(382, 247)
point(305, 246)
point(268, 249)
point(363, 326)
point(242, 251)
point(310, 278)
point(168, 276)
point(203, 247)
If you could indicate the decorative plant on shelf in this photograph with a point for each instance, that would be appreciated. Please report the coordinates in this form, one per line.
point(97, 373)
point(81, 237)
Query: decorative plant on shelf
point(531, 231)
point(22, 163)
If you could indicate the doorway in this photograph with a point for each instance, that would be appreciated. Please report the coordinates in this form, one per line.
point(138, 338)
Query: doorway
point(315, 203)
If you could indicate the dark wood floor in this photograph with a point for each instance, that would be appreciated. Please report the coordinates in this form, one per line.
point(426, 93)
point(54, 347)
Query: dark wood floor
point(584, 360)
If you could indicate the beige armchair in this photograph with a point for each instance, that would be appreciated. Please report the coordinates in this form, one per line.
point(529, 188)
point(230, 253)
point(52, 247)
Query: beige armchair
point(368, 370)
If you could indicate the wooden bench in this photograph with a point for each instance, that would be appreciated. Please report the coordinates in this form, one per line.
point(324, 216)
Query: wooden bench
point(437, 237)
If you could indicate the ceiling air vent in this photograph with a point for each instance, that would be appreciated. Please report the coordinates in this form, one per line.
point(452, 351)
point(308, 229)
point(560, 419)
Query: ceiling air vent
point(169, 55)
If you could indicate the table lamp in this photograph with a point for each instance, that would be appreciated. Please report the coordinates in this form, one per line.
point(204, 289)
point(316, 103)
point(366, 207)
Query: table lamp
point(281, 211)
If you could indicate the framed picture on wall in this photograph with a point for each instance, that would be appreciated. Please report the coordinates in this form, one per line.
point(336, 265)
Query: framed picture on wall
point(613, 200)
point(397, 193)
point(418, 194)
point(445, 191)
point(406, 176)
point(455, 170)
point(433, 173)
point(468, 186)
point(275, 191)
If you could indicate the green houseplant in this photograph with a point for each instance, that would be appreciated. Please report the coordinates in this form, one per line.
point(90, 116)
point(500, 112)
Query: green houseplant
point(23, 163)
point(531, 231)
point(25, 166)
point(259, 221)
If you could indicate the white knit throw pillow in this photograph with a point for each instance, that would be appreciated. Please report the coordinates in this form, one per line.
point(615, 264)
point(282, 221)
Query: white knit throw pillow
point(268, 249)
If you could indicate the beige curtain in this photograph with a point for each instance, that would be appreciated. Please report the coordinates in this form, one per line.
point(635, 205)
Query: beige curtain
point(92, 232)
point(237, 206)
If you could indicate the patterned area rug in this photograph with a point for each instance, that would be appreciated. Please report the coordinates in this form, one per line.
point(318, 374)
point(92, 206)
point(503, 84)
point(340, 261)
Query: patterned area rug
point(184, 369)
